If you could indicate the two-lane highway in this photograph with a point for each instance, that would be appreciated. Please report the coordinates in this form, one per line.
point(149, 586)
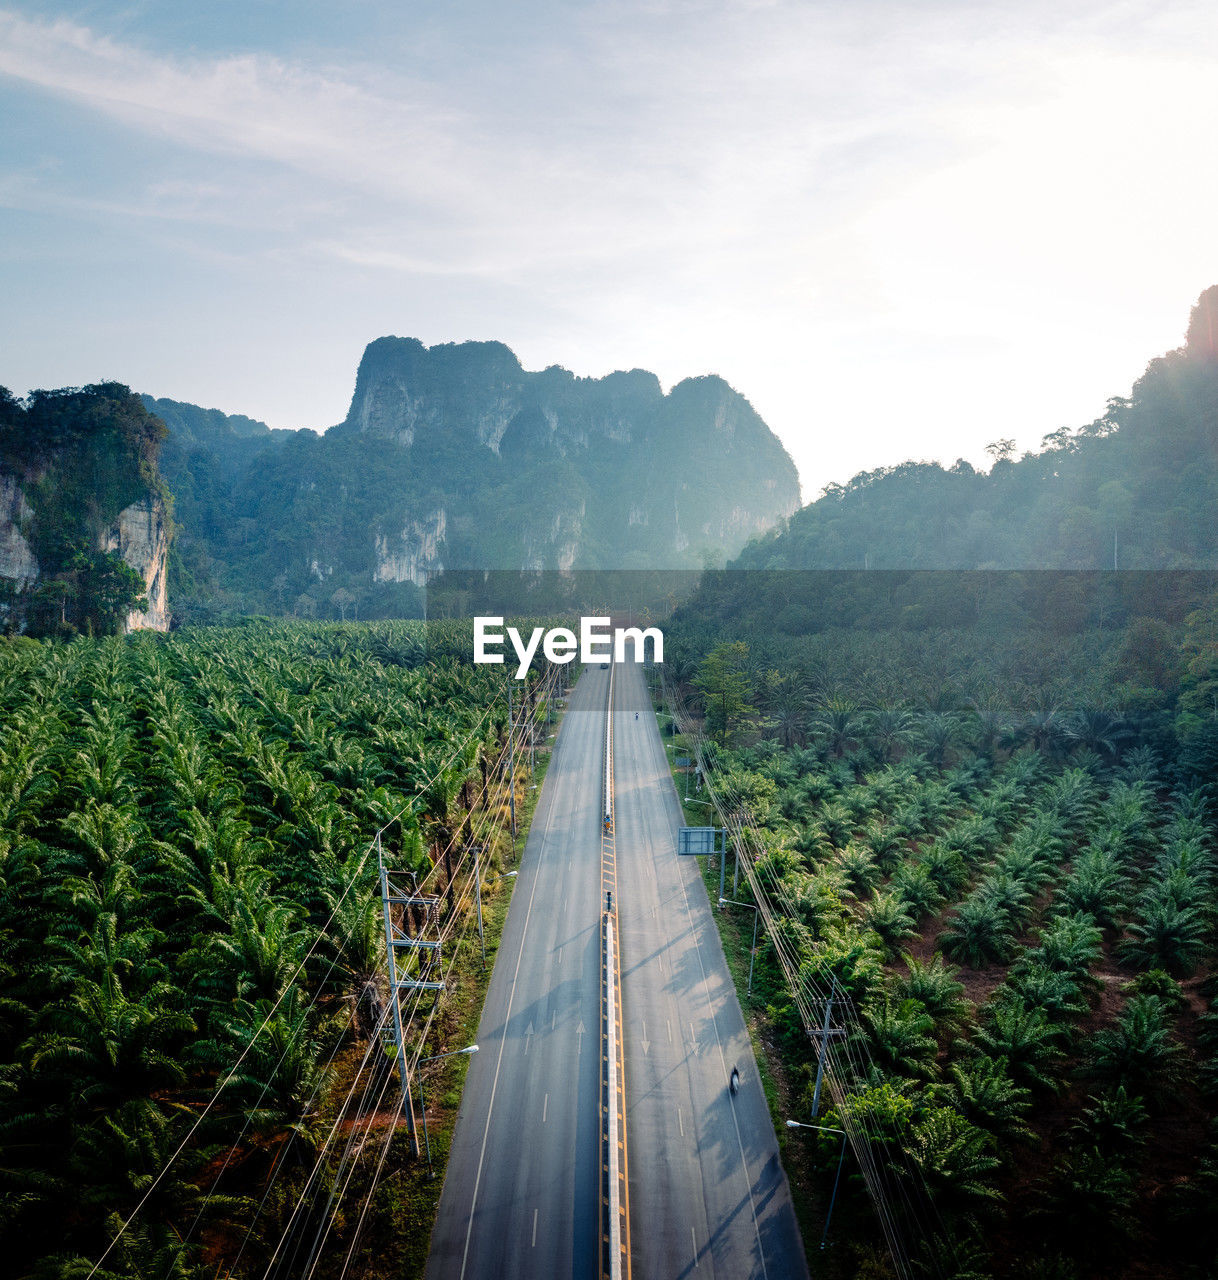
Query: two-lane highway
point(521, 1196)
point(708, 1194)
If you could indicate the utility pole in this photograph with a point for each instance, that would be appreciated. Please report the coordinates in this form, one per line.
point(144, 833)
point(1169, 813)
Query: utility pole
point(395, 939)
point(477, 850)
point(822, 1051)
point(511, 763)
point(403, 1073)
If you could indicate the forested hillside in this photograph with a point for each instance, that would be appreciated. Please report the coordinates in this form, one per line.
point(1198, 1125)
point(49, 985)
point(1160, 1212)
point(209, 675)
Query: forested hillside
point(1135, 489)
point(454, 457)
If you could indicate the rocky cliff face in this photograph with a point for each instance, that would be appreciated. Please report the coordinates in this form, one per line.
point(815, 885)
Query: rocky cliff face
point(561, 471)
point(79, 490)
point(413, 555)
point(141, 536)
point(17, 563)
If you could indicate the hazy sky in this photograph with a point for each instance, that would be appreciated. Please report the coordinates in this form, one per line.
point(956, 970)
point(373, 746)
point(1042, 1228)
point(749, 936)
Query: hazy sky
point(900, 229)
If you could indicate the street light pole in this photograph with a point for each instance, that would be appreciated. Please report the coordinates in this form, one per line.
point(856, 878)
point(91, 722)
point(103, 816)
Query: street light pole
point(756, 917)
point(435, 1057)
point(820, 1128)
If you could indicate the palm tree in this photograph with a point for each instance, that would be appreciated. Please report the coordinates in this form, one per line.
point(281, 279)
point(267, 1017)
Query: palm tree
point(836, 824)
point(1057, 995)
point(891, 728)
point(357, 941)
point(1042, 728)
point(1170, 994)
point(1012, 896)
point(939, 731)
point(1139, 1051)
point(1184, 882)
point(908, 821)
point(279, 1082)
point(886, 844)
point(983, 1092)
point(1089, 1199)
point(921, 894)
point(1096, 729)
point(945, 868)
point(898, 1036)
point(858, 866)
point(108, 833)
point(110, 1048)
point(784, 698)
point(989, 725)
point(1111, 1122)
point(934, 985)
point(1023, 1039)
point(1141, 765)
point(846, 956)
point(1167, 937)
point(979, 934)
point(1069, 944)
point(972, 837)
point(1095, 887)
point(262, 950)
point(886, 916)
point(839, 722)
point(1070, 798)
point(956, 1162)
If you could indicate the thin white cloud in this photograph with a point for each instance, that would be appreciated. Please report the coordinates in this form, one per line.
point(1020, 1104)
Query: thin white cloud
point(900, 205)
point(244, 105)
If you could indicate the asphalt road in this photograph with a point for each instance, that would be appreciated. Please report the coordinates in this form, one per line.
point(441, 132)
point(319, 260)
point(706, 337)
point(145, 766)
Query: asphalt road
point(708, 1195)
point(520, 1196)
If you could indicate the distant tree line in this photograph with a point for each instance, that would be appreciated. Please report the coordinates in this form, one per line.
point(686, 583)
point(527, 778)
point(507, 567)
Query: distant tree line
point(1135, 489)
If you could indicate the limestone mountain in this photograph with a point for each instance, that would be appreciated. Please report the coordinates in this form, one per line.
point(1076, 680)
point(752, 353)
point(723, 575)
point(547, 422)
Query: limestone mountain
point(455, 457)
point(84, 518)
